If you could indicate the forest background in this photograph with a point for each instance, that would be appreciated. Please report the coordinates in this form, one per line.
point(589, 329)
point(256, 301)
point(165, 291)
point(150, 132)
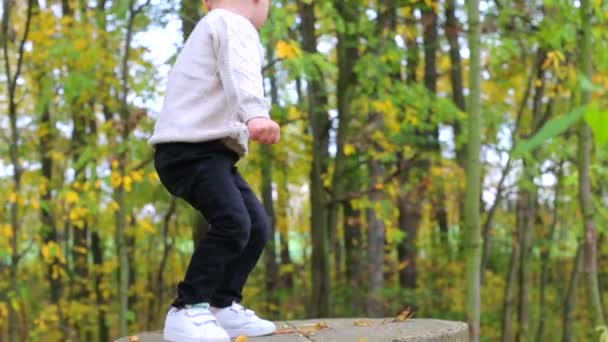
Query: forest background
point(442, 156)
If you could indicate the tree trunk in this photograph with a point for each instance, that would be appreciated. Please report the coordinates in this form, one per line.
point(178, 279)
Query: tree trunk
point(509, 294)
point(472, 239)
point(452, 30)
point(103, 330)
point(80, 248)
point(49, 228)
point(570, 300)
point(376, 235)
point(408, 202)
point(546, 256)
point(409, 221)
point(14, 154)
point(347, 50)
point(270, 252)
point(584, 175)
point(168, 243)
point(319, 122)
point(376, 238)
point(431, 44)
point(353, 243)
point(525, 224)
point(287, 281)
point(528, 203)
point(120, 193)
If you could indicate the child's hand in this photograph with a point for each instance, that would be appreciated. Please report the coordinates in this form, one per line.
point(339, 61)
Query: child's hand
point(264, 130)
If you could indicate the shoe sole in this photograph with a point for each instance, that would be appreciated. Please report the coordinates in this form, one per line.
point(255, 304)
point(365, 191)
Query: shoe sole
point(249, 332)
point(181, 338)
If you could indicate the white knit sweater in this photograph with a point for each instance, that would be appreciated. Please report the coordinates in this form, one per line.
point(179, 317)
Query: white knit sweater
point(215, 85)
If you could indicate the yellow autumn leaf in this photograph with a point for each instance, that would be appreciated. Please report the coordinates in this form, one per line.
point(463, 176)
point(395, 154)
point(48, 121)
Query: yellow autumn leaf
point(349, 149)
point(362, 323)
point(241, 338)
point(6, 231)
point(137, 176)
point(12, 197)
point(115, 180)
point(128, 182)
point(288, 49)
point(72, 197)
point(114, 206)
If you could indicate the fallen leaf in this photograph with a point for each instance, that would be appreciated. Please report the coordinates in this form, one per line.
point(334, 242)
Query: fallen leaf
point(284, 331)
point(241, 338)
point(321, 325)
point(133, 339)
point(363, 323)
point(362, 339)
point(404, 315)
point(309, 331)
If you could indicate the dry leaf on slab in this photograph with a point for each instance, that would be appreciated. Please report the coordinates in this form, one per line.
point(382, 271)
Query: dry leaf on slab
point(241, 339)
point(309, 331)
point(284, 331)
point(404, 315)
point(362, 323)
point(133, 339)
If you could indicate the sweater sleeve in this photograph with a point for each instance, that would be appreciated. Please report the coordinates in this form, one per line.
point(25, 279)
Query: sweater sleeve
point(240, 66)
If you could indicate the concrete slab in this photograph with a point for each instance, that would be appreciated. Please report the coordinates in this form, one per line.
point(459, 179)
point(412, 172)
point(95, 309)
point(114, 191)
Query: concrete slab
point(355, 330)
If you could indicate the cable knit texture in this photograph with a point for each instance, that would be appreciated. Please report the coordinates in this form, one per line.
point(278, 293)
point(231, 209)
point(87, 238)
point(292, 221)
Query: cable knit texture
point(215, 86)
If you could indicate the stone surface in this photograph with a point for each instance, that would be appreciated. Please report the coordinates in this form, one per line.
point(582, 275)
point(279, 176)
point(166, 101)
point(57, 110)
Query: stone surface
point(356, 330)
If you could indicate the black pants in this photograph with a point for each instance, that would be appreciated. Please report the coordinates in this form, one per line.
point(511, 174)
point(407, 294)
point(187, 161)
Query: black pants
point(205, 176)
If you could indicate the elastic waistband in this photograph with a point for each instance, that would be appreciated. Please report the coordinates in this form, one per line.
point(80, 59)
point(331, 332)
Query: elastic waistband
point(213, 146)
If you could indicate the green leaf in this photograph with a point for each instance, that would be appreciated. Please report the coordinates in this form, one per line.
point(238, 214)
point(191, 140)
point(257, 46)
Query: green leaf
point(550, 130)
point(598, 121)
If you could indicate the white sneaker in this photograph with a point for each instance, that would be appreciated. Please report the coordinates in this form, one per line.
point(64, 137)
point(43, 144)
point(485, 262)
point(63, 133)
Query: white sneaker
point(194, 323)
point(239, 321)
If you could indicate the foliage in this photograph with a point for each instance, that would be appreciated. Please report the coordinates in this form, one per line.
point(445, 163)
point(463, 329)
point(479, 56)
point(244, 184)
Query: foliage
point(78, 144)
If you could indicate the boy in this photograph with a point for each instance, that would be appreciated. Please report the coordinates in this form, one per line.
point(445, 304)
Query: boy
point(213, 105)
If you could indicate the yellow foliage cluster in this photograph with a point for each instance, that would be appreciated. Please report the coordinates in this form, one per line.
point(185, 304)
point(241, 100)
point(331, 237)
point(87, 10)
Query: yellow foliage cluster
point(288, 49)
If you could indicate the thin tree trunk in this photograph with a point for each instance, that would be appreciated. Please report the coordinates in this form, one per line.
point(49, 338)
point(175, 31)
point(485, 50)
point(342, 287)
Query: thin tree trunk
point(431, 44)
point(546, 256)
point(49, 228)
point(570, 300)
point(353, 243)
point(376, 235)
point(525, 218)
point(119, 193)
point(452, 30)
point(408, 202)
point(287, 281)
point(489, 220)
point(319, 122)
point(584, 175)
point(14, 153)
point(507, 334)
point(409, 221)
point(348, 56)
point(528, 195)
point(103, 330)
point(472, 240)
point(270, 252)
point(168, 243)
